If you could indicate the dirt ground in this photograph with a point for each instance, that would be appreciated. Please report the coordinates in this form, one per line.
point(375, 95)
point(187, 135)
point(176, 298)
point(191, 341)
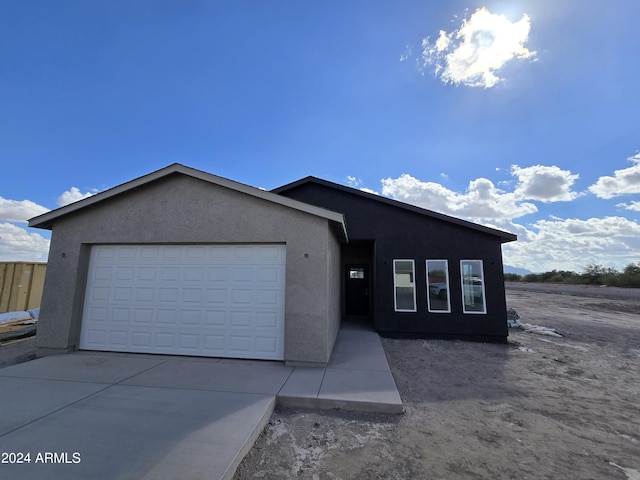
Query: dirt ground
point(541, 407)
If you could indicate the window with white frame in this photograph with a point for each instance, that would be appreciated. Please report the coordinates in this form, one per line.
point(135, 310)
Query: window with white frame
point(473, 296)
point(438, 300)
point(404, 285)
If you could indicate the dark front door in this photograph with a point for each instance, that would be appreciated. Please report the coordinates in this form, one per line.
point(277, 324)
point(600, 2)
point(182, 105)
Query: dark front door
point(356, 291)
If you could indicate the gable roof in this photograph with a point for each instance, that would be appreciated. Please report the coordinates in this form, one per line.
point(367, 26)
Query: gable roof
point(504, 236)
point(46, 220)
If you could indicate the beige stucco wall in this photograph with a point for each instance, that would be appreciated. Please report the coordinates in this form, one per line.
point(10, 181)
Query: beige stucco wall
point(182, 209)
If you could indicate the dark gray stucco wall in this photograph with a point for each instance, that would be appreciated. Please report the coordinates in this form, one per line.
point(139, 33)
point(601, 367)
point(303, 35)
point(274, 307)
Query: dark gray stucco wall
point(182, 209)
point(403, 234)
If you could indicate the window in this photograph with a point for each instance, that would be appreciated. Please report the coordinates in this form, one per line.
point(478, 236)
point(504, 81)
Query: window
point(404, 286)
point(438, 286)
point(356, 272)
point(473, 297)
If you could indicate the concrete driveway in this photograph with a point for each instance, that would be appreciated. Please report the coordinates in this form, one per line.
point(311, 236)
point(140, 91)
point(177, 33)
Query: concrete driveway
point(130, 416)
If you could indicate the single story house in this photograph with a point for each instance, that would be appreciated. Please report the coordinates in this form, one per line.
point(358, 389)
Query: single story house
point(411, 271)
point(184, 262)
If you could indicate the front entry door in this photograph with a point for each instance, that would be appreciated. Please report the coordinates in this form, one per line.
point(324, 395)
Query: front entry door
point(356, 290)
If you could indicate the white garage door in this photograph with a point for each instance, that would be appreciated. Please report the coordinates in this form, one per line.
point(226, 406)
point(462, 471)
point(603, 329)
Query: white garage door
point(205, 300)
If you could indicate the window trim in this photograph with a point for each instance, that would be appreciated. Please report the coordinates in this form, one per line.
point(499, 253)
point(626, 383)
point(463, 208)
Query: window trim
point(395, 296)
point(446, 271)
point(484, 296)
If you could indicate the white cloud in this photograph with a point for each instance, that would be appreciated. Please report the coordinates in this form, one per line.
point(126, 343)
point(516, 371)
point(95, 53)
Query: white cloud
point(633, 206)
point(72, 195)
point(17, 244)
point(20, 244)
point(19, 210)
point(544, 183)
point(353, 181)
point(408, 53)
point(571, 244)
point(554, 243)
point(623, 182)
point(482, 200)
point(474, 54)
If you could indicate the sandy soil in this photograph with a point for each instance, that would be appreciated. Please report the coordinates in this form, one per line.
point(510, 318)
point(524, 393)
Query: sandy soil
point(541, 407)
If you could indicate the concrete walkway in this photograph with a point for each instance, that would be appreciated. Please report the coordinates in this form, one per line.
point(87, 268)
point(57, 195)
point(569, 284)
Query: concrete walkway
point(131, 416)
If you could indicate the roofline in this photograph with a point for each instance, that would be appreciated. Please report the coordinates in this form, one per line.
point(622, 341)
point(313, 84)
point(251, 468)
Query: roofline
point(46, 220)
point(504, 236)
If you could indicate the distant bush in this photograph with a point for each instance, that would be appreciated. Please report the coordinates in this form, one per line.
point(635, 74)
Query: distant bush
point(630, 277)
point(554, 276)
point(591, 275)
point(512, 277)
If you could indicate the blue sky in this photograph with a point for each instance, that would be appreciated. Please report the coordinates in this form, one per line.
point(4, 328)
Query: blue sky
point(522, 115)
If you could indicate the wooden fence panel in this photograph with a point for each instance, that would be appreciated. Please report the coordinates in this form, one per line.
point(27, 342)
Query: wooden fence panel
point(21, 285)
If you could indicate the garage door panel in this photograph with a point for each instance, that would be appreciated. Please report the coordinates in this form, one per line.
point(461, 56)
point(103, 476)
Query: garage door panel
point(146, 274)
point(269, 298)
point(122, 294)
point(192, 295)
point(96, 336)
point(168, 294)
point(143, 339)
point(196, 252)
point(118, 315)
point(266, 320)
point(243, 274)
point(102, 273)
point(241, 296)
point(216, 318)
point(218, 274)
point(194, 274)
point(118, 338)
point(169, 274)
point(211, 300)
point(125, 273)
point(214, 344)
point(106, 253)
point(145, 294)
point(266, 344)
point(166, 316)
point(99, 314)
point(191, 318)
point(189, 343)
point(217, 295)
point(118, 254)
point(143, 316)
point(268, 275)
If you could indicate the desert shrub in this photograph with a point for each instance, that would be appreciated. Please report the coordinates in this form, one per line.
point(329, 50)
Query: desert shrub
point(512, 277)
point(630, 276)
point(592, 275)
point(554, 276)
point(599, 275)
